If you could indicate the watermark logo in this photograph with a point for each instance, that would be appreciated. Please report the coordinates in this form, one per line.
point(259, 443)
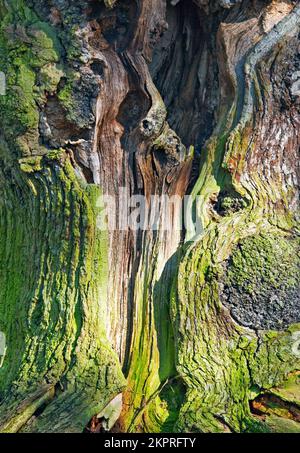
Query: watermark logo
point(157, 212)
point(2, 347)
point(2, 84)
point(296, 343)
point(277, 302)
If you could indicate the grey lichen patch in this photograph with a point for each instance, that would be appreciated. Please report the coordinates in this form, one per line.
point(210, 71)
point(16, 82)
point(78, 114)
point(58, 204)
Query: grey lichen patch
point(153, 123)
point(261, 283)
point(78, 97)
point(295, 88)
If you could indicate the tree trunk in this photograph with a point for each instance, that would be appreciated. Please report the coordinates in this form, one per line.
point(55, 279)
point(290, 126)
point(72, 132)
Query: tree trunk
point(165, 330)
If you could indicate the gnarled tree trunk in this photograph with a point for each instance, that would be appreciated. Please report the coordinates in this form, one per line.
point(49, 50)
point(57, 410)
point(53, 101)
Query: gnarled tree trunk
point(150, 97)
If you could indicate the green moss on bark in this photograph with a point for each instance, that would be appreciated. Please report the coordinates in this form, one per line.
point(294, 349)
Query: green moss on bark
point(53, 259)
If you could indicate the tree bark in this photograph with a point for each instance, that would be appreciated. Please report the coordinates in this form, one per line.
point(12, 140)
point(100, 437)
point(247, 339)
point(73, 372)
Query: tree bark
point(163, 330)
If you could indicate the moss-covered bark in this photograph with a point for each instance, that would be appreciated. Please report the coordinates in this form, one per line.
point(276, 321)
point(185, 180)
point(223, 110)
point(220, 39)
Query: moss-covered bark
point(54, 261)
point(166, 98)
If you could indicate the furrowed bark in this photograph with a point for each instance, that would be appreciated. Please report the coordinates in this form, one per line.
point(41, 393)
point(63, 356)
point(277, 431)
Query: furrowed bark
point(160, 98)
